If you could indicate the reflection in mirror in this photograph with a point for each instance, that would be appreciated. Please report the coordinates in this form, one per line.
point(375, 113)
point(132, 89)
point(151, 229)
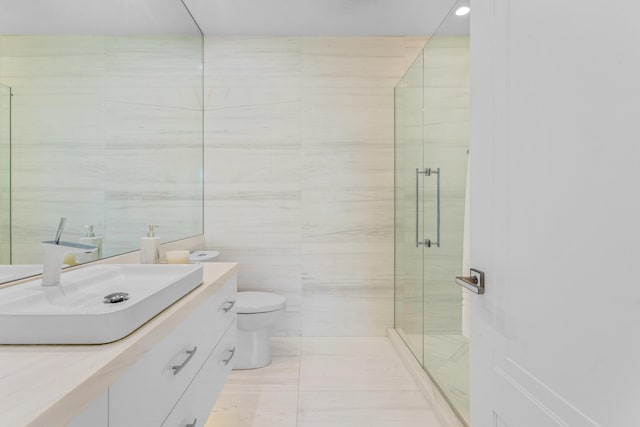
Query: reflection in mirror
point(106, 126)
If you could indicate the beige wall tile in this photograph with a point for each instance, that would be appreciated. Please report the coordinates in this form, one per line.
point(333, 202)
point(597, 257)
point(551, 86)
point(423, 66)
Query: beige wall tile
point(299, 173)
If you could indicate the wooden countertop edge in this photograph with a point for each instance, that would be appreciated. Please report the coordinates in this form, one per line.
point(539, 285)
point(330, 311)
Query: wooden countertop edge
point(127, 352)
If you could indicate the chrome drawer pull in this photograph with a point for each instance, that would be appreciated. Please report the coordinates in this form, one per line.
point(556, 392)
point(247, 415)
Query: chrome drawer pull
point(228, 305)
point(228, 359)
point(193, 424)
point(178, 368)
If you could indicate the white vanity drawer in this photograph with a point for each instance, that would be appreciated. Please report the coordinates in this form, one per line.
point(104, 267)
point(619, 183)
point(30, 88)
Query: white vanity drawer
point(94, 415)
point(196, 404)
point(145, 394)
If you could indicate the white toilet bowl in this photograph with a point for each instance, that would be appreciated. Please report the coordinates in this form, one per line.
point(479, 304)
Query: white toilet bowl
point(258, 313)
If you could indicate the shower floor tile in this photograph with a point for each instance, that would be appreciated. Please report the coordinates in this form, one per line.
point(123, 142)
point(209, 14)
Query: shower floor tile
point(318, 382)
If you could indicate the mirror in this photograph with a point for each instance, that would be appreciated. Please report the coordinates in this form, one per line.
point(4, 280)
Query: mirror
point(105, 125)
point(5, 177)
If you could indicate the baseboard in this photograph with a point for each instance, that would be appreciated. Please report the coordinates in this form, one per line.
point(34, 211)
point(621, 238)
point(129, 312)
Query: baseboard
point(431, 392)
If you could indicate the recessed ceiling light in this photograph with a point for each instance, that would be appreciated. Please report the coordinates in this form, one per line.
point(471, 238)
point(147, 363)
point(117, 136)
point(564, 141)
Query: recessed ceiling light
point(463, 10)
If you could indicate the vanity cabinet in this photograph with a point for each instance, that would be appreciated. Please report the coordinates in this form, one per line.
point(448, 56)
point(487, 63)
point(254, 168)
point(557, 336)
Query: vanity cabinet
point(94, 415)
point(168, 372)
point(194, 406)
point(177, 382)
point(146, 393)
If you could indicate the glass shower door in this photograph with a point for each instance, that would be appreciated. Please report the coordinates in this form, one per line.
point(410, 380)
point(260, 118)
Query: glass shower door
point(432, 140)
point(409, 257)
point(446, 141)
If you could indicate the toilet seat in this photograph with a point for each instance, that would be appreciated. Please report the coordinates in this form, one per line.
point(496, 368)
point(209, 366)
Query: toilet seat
point(258, 302)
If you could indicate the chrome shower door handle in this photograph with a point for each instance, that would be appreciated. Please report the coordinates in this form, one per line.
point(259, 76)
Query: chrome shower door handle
point(427, 242)
point(417, 207)
point(437, 242)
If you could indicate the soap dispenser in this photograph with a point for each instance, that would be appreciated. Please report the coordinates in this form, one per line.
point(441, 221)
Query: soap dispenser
point(150, 247)
point(91, 240)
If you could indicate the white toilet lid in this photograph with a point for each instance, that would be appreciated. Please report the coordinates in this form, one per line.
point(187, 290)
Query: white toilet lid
point(258, 302)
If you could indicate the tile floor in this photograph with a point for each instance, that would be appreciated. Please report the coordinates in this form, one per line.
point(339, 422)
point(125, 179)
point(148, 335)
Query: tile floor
point(322, 382)
point(446, 357)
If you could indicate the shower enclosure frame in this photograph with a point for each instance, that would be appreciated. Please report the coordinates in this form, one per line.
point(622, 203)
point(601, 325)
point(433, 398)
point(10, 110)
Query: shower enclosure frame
point(431, 118)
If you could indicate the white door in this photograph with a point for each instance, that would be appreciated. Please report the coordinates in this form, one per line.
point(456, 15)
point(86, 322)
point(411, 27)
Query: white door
point(555, 187)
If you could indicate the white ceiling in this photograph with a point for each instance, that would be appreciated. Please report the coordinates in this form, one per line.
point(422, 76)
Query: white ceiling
point(90, 17)
point(319, 17)
point(224, 17)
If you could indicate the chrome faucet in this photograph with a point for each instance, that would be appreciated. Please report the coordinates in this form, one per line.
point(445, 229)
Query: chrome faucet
point(54, 252)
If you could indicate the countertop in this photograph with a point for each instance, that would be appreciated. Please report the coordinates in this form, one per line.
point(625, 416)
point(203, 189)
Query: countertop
point(47, 385)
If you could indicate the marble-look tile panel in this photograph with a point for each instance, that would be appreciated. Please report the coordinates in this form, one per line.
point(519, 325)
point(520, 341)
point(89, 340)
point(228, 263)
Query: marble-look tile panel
point(445, 104)
point(174, 98)
point(355, 47)
point(361, 221)
point(162, 62)
point(282, 375)
point(352, 369)
point(246, 174)
point(347, 311)
point(37, 114)
point(253, 62)
point(251, 409)
point(351, 346)
point(258, 220)
point(299, 161)
point(350, 174)
point(365, 409)
point(447, 67)
point(45, 61)
point(348, 116)
point(329, 266)
point(350, 62)
point(286, 346)
point(347, 382)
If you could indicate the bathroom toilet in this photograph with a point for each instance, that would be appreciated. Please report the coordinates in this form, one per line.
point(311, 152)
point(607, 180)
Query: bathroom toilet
point(258, 313)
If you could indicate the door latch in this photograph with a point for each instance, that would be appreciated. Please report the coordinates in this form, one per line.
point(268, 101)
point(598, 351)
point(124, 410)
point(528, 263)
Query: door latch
point(475, 281)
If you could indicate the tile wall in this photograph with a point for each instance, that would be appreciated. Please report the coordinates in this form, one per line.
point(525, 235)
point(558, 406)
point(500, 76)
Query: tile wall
point(299, 173)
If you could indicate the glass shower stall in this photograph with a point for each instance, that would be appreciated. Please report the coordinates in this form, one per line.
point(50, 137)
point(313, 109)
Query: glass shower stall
point(431, 228)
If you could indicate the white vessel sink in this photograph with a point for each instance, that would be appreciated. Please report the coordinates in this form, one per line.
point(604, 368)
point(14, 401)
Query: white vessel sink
point(75, 311)
point(9, 273)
